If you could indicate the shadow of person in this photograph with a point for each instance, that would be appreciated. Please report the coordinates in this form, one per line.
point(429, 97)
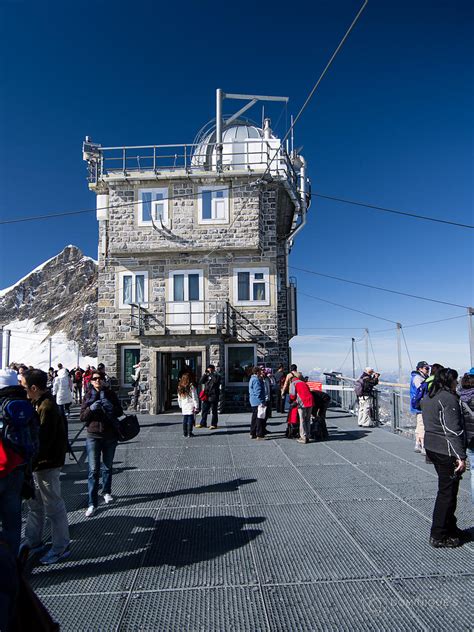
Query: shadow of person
point(116, 544)
point(215, 488)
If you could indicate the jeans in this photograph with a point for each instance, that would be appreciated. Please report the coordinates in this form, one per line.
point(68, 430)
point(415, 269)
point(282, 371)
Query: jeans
point(305, 422)
point(47, 503)
point(188, 422)
point(470, 454)
point(206, 409)
point(10, 508)
point(444, 521)
point(95, 449)
point(257, 426)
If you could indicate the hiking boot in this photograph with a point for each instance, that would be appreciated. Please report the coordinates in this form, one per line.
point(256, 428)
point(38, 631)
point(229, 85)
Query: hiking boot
point(53, 558)
point(108, 499)
point(445, 543)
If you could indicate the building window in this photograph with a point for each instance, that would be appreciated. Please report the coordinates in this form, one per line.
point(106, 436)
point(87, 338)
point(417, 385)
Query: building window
point(213, 205)
point(130, 357)
point(186, 285)
point(153, 203)
point(239, 361)
point(133, 289)
point(251, 286)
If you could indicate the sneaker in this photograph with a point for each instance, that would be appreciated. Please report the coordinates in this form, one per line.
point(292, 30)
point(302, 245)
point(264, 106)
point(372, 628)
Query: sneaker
point(199, 426)
point(261, 439)
point(53, 558)
point(423, 452)
point(302, 440)
point(32, 550)
point(446, 543)
point(417, 447)
point(212, 427)
point(190, 435)
point(108, 499)
point(90, 511)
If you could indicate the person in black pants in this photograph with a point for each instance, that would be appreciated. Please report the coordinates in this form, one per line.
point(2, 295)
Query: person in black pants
point(210, 384)
point(444, 445)
point(279, 380)
point(257, 398)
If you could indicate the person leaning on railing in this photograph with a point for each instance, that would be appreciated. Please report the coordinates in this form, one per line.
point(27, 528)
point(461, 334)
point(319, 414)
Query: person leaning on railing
point(445, 448)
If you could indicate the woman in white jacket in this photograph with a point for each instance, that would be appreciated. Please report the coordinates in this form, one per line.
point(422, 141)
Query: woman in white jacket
point(188, 402)
point(62, 389)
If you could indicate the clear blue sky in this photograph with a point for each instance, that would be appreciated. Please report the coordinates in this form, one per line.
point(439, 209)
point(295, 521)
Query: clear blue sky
point(391, 124)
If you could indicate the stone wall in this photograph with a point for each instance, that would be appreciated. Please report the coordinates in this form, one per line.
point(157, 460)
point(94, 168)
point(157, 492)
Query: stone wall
point(249, 240)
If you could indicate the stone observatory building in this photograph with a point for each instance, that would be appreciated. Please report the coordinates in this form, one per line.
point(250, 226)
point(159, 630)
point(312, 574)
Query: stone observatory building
point(193, 255)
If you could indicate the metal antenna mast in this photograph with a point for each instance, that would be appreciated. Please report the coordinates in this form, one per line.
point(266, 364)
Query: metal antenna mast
point(252, 100)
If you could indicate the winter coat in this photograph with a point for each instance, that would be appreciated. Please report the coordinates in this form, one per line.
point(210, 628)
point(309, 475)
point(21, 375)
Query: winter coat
point(467, 404)
point(52, 434)
point(444, 430)
point(100, 421)
point(368, 382)
point(268, 388)
point(256, 391)
point(189, 403)
point(300, 390)
point(62, 388)
point(9, 459)
point(211, 383)
point(416, 379)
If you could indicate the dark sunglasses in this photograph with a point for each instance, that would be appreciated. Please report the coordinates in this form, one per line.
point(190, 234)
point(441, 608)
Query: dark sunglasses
point(94, 379)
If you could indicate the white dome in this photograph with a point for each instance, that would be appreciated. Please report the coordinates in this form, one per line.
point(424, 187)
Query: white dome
point(243, 146)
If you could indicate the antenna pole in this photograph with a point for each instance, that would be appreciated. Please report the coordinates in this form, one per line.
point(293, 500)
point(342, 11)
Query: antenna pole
point(367, 347)
point(219, 98)
point(400, 369)
point(353, 359)
point(470, 324)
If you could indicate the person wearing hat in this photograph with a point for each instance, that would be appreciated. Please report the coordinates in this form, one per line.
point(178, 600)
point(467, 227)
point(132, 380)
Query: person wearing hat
point(12, 471)
point(417, 377)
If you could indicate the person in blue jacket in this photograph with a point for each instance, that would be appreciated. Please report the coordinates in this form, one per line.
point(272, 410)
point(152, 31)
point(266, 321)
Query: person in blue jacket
point(416, 379)
point(257, 398)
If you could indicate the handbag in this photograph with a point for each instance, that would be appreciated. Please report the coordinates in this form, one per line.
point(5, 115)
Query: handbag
point(262, 409)
point(202, 396)
point(127, 427)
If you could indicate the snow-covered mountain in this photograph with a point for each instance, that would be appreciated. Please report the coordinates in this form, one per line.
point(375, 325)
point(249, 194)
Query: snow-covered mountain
point(57, 301)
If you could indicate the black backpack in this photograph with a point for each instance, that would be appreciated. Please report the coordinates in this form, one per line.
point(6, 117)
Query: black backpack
point(19, 427)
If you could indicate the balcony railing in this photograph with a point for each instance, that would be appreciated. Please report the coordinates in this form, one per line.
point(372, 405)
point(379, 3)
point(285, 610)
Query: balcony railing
point(250, 156)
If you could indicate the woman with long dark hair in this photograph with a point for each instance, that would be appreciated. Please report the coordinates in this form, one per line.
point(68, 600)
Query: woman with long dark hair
point(445, 448)
point(188, 402)
point(100, 410)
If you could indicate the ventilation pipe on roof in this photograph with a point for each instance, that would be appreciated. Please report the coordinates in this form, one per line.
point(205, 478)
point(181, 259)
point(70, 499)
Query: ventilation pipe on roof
point(267, 130)
point(303, 198)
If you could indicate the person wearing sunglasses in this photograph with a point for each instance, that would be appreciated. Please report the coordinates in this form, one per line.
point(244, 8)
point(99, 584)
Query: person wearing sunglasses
point(100, 410)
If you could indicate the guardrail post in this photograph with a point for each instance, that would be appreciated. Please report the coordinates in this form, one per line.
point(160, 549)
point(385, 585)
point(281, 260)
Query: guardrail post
point(124, 160)
point(395, 421)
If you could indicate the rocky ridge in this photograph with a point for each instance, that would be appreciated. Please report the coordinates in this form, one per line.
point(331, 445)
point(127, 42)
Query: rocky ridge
point(62, 293)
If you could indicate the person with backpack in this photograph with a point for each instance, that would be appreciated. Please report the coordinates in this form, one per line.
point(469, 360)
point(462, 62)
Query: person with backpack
point(425, 387)
point(364, 388)
point(210, 384)
point(16, 450)
point(188, 402)
point(47, 466)
point(417, 377)
point(304, 399)
point(100, 411)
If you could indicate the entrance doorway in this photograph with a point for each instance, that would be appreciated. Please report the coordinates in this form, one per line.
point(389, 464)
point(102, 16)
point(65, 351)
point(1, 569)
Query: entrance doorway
point(170, 368)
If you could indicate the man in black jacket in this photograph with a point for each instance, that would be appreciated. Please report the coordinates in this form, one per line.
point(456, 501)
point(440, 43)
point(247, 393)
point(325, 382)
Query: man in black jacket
point(365, 386)
point(210, 384)
point(46, 471)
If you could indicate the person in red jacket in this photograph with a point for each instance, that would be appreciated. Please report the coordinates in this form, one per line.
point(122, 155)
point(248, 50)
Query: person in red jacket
point(304, 399)
point(12, 471)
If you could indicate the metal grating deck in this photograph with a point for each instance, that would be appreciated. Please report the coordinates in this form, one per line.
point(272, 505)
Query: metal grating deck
point(222, 533)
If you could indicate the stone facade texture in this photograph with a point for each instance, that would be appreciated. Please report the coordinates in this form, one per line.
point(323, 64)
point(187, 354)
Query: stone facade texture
point(254, 236)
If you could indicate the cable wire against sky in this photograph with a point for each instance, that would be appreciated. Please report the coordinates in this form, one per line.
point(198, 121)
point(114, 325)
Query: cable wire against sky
point(377, 287)
point(391, 210)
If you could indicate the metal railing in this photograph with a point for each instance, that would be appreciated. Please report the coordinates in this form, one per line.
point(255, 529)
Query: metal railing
point(249, 155)
point(390, 406)
point(195, 315)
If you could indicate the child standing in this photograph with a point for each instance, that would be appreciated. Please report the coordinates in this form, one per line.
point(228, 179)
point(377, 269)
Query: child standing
point(188, 402)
